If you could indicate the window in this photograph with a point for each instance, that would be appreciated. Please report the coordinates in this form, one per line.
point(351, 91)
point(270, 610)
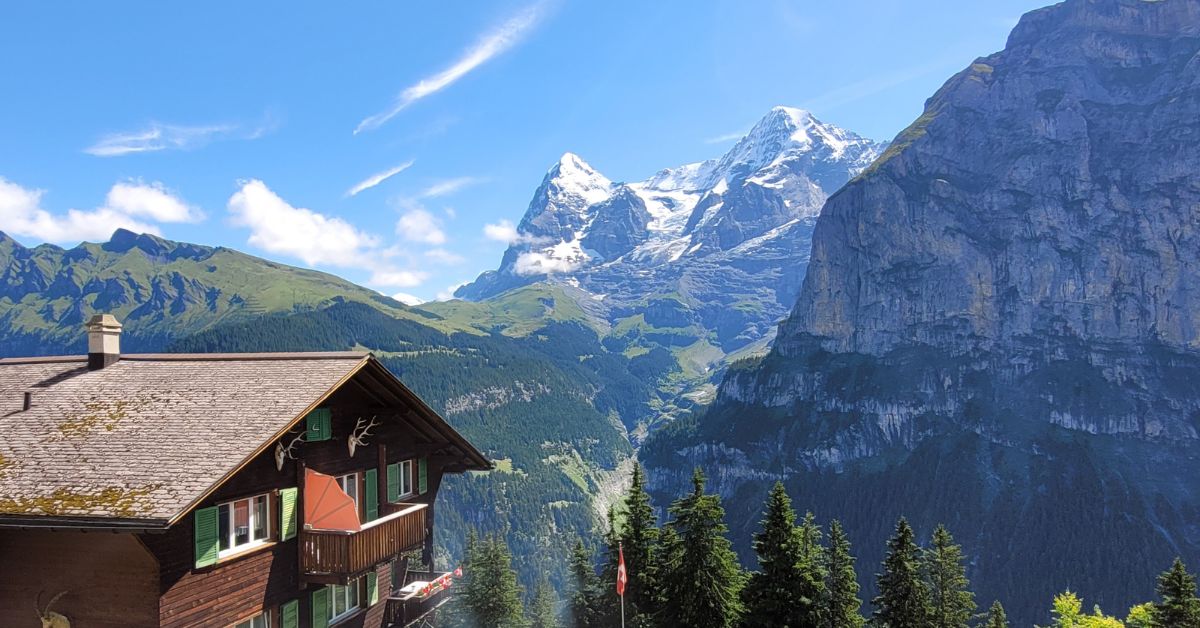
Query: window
point(243, 523)
point(406, 483)
point(261, 620)
point(344, 600)
point(349, 484)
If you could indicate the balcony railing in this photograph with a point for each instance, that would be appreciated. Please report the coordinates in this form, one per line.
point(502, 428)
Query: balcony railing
point(337, 556)
point(411, 603)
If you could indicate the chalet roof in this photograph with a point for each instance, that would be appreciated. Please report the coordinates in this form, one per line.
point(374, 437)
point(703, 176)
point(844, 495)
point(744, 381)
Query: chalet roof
point(142, 440)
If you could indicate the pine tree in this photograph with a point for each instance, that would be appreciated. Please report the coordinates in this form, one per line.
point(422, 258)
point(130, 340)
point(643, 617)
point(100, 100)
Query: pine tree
point(841, 603)
point(1179, 607)
point(492, 597)
point(996, 617)
point(639, 536)
point(903, 600)
point(951, 601)
point(583, 590)
point(541, 611)
point(703, 579)
point(775, 595)
point(812, 568)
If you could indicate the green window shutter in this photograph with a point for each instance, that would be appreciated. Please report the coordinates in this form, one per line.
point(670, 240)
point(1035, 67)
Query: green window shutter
point(372, 588)
point(289, 615)
point(371, 486)
point(207, 536)
point(319, 425)
point(287, 513)
point(320, 608)
point(423, 476)
point(393, 482)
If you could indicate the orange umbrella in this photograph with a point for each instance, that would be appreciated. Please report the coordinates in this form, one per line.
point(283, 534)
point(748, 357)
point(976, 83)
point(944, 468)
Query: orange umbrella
point(326, 505)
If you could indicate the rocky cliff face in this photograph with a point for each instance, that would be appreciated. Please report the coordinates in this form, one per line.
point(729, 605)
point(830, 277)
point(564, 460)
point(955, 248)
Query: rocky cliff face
point(1017, 276)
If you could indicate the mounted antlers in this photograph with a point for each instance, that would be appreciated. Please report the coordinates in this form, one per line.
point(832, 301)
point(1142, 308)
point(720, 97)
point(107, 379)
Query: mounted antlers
point(360, 433)
point(49, 618)
point(283, 453)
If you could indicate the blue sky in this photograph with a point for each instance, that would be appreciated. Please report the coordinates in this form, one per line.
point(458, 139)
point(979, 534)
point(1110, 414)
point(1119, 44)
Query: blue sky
point(269, 127)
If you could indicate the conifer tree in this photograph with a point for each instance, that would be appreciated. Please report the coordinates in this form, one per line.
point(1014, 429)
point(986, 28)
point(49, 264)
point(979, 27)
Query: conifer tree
point(492, 597)
point(703, 579)
point(812, 566)
point(841, 603)
point(950, 598)
point(780, 593)
point(583, 589)
point(639, 536)
point(541, 611)
point(903, 600)
point(1179, 606)
point(996, 617)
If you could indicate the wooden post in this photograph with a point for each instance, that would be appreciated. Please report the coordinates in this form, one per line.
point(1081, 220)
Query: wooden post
point(301, 580)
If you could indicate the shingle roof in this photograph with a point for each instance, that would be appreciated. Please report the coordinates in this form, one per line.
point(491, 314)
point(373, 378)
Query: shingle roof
point(141, 439)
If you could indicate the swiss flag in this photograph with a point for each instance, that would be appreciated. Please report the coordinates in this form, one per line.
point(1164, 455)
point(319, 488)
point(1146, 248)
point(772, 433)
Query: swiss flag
point(622, 578)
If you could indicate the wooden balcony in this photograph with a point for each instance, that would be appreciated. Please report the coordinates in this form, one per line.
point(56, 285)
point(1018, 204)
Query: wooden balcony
point(337, 556)
point(405, 608)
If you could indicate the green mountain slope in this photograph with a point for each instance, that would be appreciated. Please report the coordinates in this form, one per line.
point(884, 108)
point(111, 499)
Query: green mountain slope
point(158, 288)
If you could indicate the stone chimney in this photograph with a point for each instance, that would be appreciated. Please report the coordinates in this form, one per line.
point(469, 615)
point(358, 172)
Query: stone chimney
point(104, 341)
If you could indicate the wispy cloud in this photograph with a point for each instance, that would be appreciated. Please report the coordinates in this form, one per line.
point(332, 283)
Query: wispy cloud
point(418, 225)
point(449, 186)
point(158, 136)
point(503, 231)
point(728, 137)
point(859, 90)
point(493, 43)
point(378, 178)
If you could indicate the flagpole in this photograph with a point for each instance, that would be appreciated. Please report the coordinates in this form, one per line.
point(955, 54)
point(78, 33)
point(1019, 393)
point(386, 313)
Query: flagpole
point(620, 580)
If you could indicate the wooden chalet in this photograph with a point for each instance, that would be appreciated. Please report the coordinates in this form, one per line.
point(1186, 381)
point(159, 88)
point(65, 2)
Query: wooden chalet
point(291, 490)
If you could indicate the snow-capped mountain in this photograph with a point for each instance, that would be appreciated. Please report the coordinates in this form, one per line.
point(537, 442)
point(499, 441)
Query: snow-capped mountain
point(718, 246)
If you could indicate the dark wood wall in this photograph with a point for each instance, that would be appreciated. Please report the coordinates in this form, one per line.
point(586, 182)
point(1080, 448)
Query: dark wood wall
point(111, 579)
point(241, 586)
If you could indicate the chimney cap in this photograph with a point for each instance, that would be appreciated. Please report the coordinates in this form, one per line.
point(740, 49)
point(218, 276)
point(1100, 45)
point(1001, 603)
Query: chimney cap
point(103, 322)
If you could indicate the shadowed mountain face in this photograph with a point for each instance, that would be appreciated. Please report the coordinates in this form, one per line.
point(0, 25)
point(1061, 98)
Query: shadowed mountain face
point(1000, 323)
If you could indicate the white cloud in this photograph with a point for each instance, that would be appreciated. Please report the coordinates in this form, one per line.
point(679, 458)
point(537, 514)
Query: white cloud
point(444, 257)
point(315, 238)
point(495, 42)
point(503, 231)
point(728, 137)
point(408, 299)
point(126, 207)
point(393, 278)
point(378, 178)
point(158, 136)
point(448, 293)
point(449, 186)
point(152, 200)
point(533, 263)
point(418, 225)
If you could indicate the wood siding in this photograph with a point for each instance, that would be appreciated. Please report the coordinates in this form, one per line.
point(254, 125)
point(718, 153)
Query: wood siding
point(111, 579)
point(241, 586)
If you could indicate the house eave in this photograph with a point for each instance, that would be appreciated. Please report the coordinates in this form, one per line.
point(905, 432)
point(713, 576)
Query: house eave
point(91, 524)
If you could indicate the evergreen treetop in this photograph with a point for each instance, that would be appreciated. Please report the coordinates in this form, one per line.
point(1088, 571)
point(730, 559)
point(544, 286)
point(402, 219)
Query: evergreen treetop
point(1178, 606)
point(841, 605)
point(903, 600)
point(951, 602)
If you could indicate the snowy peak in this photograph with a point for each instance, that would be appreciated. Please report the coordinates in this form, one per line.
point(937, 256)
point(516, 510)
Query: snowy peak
point(789, 132)
point(573, 175)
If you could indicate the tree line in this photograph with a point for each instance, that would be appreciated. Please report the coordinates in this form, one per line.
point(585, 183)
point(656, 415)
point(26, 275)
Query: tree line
point(684, 572)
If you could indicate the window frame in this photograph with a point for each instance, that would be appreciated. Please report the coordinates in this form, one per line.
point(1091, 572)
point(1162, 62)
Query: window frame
point(265, 615)
point(228, 521)
point(355, 585)
point(406, 477)
point(359, 502)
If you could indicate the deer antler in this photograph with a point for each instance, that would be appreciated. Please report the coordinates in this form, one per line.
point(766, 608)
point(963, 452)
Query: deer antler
point(360, 433)
point(282, 453)
point(53, 600)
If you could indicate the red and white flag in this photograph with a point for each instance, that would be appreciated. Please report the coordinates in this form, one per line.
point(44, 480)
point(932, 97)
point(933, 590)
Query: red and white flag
point(458, 572)
point(622, 577)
